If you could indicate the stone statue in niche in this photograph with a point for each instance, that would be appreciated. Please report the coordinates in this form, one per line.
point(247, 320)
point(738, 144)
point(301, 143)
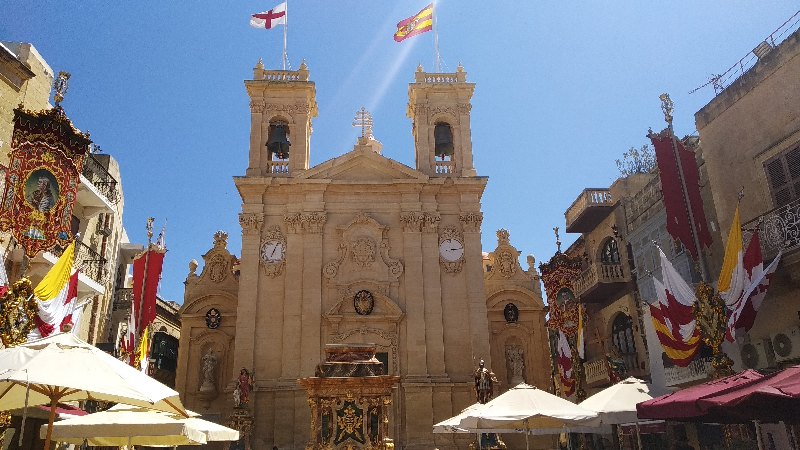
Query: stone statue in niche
point(208, 367)
point(516, 365)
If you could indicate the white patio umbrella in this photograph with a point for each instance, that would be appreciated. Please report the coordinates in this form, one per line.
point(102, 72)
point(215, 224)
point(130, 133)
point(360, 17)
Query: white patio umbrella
point(63, 368)
point(527, 409)
point(130, 425)
point(451, 425)
point(617, 404)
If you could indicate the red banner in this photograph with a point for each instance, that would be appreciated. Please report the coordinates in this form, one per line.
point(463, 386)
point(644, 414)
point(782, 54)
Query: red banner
point(146, 275)
point(42, 179)
point(677, 204)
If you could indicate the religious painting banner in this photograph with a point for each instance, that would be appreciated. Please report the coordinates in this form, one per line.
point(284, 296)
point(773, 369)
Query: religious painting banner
point(47, 154)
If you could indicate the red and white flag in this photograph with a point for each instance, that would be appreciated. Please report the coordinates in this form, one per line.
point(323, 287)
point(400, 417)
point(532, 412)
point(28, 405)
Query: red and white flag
point(742, 314)
point(565, 364)
point(269, 19)
point(56, 314)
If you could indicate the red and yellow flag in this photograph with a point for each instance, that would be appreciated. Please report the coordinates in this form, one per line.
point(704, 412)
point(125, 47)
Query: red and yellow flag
point(416, 24)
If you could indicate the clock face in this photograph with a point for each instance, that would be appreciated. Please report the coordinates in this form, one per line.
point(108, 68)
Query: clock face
point(272, 251)
point(451, 250)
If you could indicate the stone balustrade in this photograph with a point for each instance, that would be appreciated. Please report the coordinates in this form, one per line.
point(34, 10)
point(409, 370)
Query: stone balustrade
point(590, 197)
point(596, 372)
point(699, 369)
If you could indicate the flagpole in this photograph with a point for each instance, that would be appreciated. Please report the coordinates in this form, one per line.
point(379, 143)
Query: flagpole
point(666, 107)
point(285, 32)
point(137, 339)
point(437, 63)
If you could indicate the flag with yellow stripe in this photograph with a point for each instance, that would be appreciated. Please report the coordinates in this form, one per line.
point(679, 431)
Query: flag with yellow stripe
point(53, 283)
point(414, 25)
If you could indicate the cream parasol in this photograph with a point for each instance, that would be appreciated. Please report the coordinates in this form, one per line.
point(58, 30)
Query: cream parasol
point(63, 368)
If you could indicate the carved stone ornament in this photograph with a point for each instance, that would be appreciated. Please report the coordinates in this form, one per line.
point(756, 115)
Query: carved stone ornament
point(471, 221)
point(363, 302)
point(363, 251)
point(312, 222)
point(451, 237)
point(412, 221)
point(213, 318)
point(363, 254)
point(272, 251)
point(218, 268)
point(430, 222)
point(506, 264)
point(251, 222)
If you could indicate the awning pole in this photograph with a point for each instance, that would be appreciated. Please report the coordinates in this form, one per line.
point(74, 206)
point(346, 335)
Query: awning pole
point(638, 437)
point(758, 435)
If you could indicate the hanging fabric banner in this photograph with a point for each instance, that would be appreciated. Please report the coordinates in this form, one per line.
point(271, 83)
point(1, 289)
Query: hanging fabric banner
point(46, 160)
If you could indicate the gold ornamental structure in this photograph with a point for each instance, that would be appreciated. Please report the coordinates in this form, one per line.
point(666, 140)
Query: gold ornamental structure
point(350, 398)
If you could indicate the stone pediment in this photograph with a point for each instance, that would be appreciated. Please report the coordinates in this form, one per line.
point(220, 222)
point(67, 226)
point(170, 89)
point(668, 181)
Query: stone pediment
point(504, 261)
point(362, 164)
point(351, 300)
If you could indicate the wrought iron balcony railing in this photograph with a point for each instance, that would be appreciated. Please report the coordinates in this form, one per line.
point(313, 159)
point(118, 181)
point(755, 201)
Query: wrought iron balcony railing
point(98, 175)
point(90, 263)
point(122, 299)
point(778, 229)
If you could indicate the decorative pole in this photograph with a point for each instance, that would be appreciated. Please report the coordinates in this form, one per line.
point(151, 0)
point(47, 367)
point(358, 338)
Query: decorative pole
point(437, 63)
point(285, 33)
point(138, 324)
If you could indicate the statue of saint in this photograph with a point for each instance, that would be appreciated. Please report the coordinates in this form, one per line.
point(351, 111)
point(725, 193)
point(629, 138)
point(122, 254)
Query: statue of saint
point(243, 386)
point(516, 364)
point(207, 369)
point(484, 383)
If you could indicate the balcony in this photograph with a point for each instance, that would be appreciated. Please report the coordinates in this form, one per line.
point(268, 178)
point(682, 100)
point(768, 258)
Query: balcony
point(778, 229)
point(93, 271)
point(599, 282)
point(597, 373)
point(122, 299)
point(98, 191)
point(588, 210)
point(697, 370)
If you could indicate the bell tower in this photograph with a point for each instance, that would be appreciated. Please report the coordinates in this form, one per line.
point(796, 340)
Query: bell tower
point(282, 104)
point(439, 108)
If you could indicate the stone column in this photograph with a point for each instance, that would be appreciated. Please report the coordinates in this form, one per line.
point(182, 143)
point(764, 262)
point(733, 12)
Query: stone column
point(476, 296)
point(415, 347)
point(247, 309)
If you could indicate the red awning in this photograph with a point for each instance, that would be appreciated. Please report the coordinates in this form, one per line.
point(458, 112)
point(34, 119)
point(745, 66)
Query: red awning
point(63, 410)
point(685, 405)
point(774, 398)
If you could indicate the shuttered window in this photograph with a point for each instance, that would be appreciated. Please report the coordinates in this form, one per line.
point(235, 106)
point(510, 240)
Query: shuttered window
point(783, 175)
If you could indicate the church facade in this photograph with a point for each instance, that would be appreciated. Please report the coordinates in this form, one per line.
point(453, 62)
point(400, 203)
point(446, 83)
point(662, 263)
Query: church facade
point(359, 249)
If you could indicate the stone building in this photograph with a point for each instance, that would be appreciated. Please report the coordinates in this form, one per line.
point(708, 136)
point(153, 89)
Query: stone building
point(359, 249)
point(750, 134)
point(26, 79)
point(615, 345)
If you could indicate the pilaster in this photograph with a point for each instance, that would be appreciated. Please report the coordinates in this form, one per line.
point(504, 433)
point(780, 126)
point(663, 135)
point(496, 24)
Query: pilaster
point(311, 311)
point(247, 310)
point(293, 296)
point(476, 298)
point(416, 332)
point(432, 290)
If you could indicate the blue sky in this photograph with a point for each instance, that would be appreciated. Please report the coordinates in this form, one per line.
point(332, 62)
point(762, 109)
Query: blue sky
point(563, 89)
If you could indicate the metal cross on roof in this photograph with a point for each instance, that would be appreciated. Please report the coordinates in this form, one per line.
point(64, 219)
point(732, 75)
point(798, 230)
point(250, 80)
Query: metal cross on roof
point(363, 119)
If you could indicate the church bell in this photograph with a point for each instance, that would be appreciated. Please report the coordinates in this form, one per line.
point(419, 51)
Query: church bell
point(443, 139)
point(278, 142)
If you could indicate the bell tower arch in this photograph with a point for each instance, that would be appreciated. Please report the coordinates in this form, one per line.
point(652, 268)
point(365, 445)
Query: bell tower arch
point(282, 104)
point(439, 108)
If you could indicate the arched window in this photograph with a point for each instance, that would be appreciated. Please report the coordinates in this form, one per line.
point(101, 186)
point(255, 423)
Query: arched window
point(610, 253)
point(278, 140)
point(443, 140)
point(623, 341)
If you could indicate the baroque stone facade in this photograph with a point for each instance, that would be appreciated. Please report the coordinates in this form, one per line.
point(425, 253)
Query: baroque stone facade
point(359, 250)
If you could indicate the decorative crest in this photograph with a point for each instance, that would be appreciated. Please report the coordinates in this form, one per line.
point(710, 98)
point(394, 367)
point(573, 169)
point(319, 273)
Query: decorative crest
point(60, 85)
point(363, 119)
point(502, 237)
point(666, 107)
point(220, 239)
